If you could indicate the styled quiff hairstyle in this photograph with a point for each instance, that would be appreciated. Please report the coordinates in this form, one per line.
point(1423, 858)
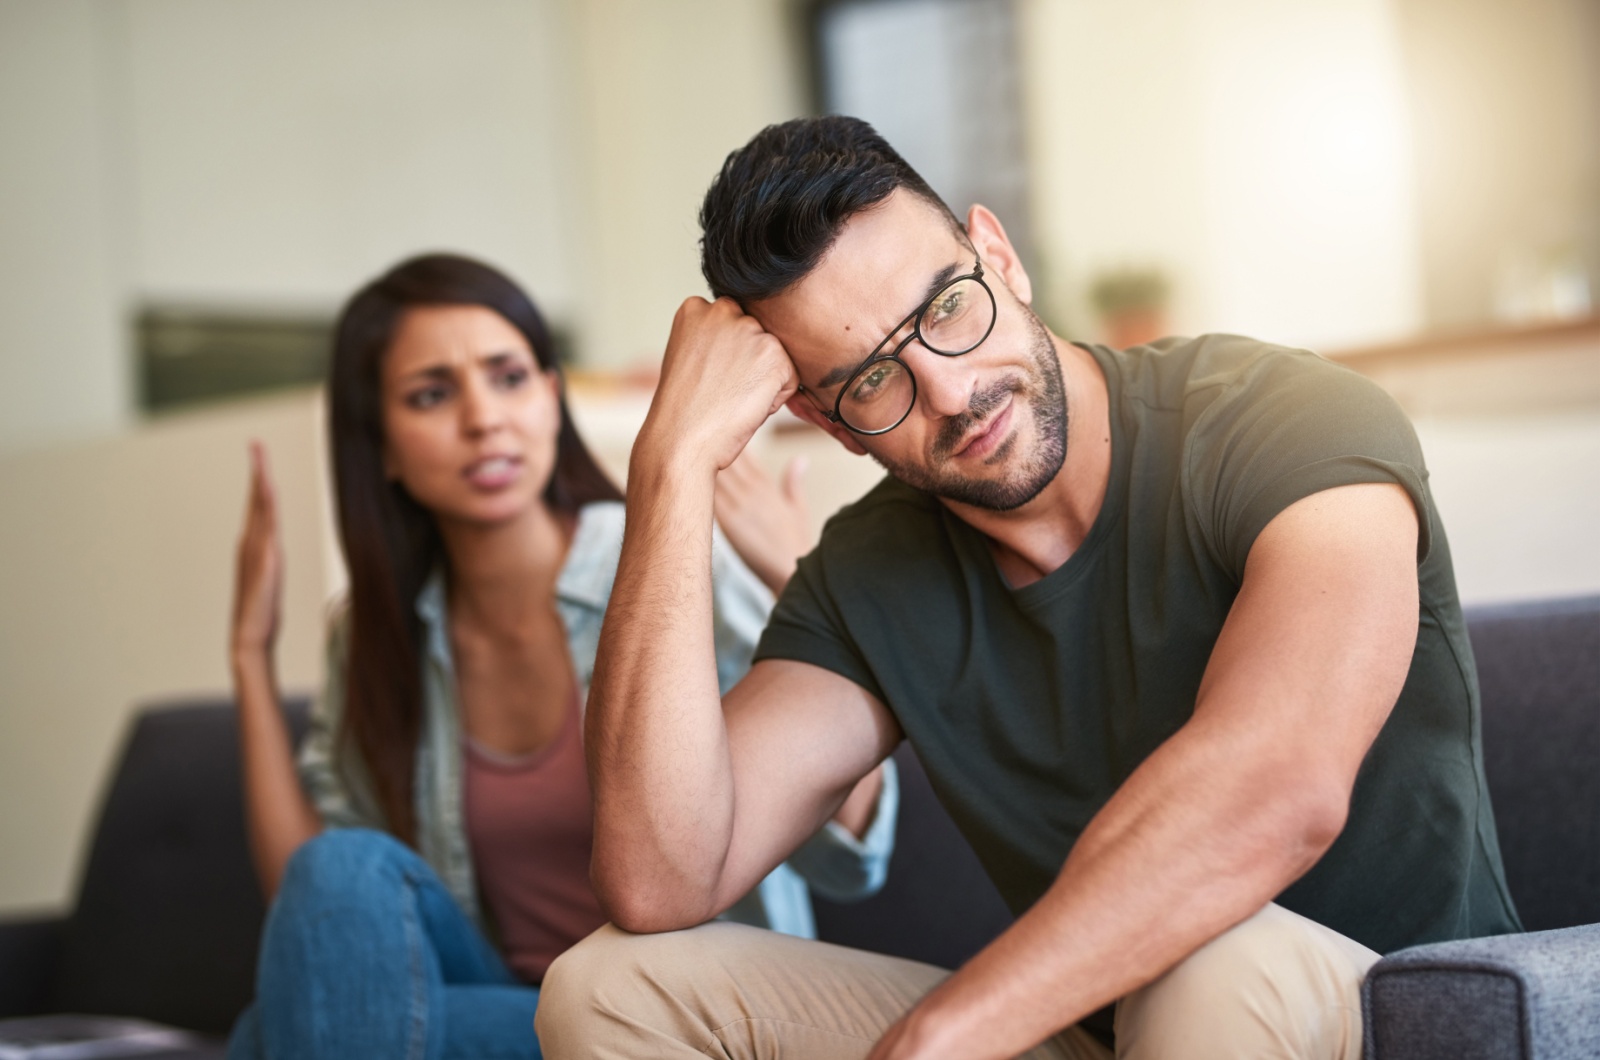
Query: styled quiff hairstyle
point(780, 200)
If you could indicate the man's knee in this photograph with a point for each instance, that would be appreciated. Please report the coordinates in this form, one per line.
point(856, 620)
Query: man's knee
point(578, 971)
point(584, 983)
point(1275, 976)
point(615, 984)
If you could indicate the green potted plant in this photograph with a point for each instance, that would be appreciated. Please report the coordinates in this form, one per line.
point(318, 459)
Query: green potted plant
point(1131, 304)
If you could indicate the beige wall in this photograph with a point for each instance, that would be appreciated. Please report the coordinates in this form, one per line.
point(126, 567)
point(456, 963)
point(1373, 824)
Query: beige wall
point(115, 578)
point(1505, 100)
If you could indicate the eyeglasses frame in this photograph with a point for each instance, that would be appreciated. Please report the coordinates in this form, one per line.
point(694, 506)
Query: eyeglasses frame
point(915, 319)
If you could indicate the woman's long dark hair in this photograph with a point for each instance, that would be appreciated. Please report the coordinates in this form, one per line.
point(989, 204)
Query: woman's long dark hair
point(390, 542)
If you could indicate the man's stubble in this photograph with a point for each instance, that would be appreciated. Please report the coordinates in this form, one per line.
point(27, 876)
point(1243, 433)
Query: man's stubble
point(1046, 394)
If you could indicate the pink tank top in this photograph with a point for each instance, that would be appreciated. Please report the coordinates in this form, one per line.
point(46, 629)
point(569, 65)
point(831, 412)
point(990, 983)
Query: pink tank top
point(530, 826)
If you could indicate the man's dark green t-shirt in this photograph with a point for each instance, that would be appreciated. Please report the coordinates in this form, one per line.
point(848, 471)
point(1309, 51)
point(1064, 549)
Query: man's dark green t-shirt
point(1029, 707)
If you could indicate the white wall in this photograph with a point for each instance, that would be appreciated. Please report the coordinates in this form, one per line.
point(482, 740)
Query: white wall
point(276, 153)
point(62, 371)
point(284, 151)
point(1255, 150)
point(1520, 500)
point(667, 91)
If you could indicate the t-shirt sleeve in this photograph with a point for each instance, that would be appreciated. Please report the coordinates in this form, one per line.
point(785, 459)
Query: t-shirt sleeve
point(1293, 425)
point(807, 626)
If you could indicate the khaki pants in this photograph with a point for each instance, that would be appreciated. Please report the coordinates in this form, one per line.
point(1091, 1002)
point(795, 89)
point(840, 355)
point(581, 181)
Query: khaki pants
point(1277, 985)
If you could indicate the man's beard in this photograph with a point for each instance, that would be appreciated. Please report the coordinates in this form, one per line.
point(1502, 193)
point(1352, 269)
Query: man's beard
point(1047, 398)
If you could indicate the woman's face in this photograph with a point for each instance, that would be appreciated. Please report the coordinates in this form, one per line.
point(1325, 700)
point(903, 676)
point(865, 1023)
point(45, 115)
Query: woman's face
point(469, 420)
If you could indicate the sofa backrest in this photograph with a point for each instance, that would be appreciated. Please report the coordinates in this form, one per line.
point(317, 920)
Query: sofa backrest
point(1539, 674)
point(937, 904)
point(169, 910)
point(169, 913)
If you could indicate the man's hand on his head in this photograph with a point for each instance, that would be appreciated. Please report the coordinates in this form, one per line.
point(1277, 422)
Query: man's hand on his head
point(722, 376)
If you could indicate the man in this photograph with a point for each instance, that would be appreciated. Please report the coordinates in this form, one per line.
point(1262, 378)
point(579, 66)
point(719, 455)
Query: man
point(1173, 630)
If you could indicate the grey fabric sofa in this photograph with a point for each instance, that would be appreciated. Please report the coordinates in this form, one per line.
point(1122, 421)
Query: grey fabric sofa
point(1534, 996)
point(167, 916)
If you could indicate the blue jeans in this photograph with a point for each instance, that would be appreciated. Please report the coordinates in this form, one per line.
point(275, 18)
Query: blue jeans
point(365, 954)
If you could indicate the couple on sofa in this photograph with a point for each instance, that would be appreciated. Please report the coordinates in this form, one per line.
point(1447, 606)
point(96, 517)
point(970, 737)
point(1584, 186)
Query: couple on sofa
point(1172, 629)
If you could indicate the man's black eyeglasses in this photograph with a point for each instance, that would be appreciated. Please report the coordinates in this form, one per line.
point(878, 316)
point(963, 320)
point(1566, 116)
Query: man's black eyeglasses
point(879, 394)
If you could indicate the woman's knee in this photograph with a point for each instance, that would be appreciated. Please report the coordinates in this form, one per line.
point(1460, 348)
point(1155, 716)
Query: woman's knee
point(339, 857)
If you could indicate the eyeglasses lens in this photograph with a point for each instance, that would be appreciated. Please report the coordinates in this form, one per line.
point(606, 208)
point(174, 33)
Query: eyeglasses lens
point(878, 397)
point(956, 320)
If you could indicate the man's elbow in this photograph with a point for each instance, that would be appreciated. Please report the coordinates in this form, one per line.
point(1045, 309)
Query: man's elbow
point(1314, 819)
point(636, 902)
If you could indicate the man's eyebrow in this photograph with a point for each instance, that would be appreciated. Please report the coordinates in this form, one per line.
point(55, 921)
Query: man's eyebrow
point(838, 375)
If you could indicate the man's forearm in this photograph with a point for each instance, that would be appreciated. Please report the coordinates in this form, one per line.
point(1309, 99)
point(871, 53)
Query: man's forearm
point(657, 744)
point(1183, 851)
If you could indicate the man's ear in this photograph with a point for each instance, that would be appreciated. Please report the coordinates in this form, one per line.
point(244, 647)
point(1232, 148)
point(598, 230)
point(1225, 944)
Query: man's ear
point(801, 406)
point(989, 238)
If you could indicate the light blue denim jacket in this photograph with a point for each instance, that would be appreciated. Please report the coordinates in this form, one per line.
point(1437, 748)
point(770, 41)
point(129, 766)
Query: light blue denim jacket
point(833, 861)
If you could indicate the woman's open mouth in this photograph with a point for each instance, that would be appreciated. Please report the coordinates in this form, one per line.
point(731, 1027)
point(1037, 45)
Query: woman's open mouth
point(493, 472)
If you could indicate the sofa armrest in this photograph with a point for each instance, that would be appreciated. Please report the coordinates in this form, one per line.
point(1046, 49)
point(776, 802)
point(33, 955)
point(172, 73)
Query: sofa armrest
point(30, 949)
point(1529, 997)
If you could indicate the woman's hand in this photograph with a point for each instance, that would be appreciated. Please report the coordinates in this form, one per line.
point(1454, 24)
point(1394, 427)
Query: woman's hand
point(768, 525)
point(258, 571)
point(279, 815)
point(861, 805)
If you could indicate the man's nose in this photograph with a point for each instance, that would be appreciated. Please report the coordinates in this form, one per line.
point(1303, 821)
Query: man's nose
point(944, 384)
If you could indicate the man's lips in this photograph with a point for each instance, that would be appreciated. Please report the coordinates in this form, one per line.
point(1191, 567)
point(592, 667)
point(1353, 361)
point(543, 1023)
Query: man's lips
point(987, 437)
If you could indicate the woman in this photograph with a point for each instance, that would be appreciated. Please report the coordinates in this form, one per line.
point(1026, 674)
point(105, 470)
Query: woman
point(441, 800)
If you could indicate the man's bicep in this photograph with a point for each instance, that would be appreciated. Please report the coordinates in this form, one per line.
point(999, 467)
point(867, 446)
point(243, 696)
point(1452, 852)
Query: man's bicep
point(799, 737)
point(1318, 643)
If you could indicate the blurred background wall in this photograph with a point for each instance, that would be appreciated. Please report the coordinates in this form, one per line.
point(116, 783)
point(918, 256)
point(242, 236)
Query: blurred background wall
point(1412, 186)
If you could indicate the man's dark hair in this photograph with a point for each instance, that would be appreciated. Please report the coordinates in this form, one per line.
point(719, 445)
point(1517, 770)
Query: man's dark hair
point(780, 200)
